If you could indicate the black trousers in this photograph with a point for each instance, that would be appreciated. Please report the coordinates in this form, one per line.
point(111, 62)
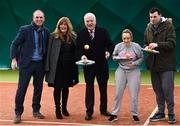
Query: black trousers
point(90, 72)
point(36, 70)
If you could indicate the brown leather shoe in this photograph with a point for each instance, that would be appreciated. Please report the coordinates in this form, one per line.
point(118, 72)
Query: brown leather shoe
point(38, 115)
point(17, 119)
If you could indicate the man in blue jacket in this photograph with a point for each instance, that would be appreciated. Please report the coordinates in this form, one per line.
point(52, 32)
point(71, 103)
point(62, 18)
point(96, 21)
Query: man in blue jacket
point(28, 49)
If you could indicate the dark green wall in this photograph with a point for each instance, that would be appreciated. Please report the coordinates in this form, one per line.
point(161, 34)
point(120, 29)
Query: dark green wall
point(114, 15)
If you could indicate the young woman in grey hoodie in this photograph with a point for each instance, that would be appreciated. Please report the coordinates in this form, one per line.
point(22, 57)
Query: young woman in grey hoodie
point(129, 56)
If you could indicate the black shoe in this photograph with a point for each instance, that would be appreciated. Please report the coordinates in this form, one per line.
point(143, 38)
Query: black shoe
point(113, 118)
point(88, 117)
point(157, 117)
point(172, 119)
point(106, 113)
point(65, 112)
point(17, 119)
point(38, 115)
point(136, 119)
point(58, 114)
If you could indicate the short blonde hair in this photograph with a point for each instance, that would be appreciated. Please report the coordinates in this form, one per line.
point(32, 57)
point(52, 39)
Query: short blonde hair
point(128, 31)
point(71, 35)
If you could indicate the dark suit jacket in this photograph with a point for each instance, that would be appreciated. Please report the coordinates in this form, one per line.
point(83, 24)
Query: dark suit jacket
point(97, 47)
point(23, 45)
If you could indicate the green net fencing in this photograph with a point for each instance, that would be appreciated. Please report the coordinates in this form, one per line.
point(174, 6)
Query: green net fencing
point(114, 15)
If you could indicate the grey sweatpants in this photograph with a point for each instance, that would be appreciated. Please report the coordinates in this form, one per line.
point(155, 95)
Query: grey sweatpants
point(131, 78)
point(163, 86)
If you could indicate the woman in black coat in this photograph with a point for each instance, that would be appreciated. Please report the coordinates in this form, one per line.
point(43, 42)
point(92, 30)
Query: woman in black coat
point(61, 71)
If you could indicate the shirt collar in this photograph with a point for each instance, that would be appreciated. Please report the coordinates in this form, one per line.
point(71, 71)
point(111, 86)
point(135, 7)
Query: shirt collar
point(91, 31)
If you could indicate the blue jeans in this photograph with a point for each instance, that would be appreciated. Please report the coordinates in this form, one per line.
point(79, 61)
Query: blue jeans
point(35, 69)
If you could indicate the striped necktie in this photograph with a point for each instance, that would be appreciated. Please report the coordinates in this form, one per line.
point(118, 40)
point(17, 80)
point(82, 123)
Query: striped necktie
point(91, 34)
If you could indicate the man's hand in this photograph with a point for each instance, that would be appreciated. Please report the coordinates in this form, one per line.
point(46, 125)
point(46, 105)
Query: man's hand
point(84, 58)
point(107, 54)
point(153, 45)
point(13, 64)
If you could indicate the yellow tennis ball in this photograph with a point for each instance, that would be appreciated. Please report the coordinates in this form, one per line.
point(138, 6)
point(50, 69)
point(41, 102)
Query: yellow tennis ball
point(86, 46)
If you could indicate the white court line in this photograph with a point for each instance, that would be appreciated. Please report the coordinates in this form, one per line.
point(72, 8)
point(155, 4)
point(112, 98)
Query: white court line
point(55, 123)
point(147, 121)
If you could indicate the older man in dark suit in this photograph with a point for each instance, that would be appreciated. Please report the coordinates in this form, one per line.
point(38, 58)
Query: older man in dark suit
point(94, 43)
point(30, 45)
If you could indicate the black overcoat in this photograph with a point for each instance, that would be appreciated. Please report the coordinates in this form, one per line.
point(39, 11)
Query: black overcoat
point(51, 63)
